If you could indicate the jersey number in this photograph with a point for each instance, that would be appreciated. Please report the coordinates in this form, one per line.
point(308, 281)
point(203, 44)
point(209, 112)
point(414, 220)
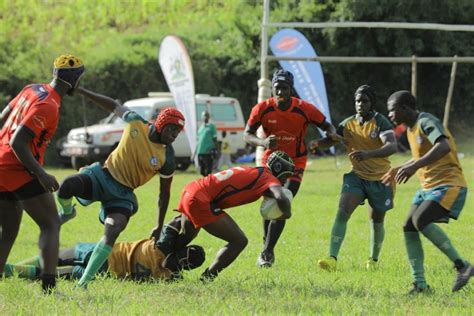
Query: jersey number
point(226, 174)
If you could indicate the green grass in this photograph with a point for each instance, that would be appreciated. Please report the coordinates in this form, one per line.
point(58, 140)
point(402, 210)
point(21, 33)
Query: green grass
point(293, 286)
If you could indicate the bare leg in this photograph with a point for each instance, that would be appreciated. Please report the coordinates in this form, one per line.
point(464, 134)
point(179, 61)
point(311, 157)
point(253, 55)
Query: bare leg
point(42, 209)
point(227, 229)
point(10, 218)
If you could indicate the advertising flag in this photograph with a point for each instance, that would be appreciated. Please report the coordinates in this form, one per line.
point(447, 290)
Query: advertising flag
point(309, 79)
point(178, 71)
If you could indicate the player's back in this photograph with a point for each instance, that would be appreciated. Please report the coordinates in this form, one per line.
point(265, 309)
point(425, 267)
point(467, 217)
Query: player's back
point(36, 107)
point(237, 186)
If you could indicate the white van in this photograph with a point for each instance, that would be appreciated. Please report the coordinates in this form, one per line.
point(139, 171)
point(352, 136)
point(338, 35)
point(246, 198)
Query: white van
point(85, 145)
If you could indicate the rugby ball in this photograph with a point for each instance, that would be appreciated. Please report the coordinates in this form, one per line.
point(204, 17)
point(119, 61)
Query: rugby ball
point(269, 208)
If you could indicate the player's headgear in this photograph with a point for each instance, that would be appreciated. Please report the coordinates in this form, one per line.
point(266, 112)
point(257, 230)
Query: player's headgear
point(187, 258)
point(368, 91)
point(68, 69)
point(280, 164)
point(169, 116)
point(282, 75)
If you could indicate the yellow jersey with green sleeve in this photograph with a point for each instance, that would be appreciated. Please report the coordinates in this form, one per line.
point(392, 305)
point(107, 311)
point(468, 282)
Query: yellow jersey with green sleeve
point(137, 159)
point(359, 135)
point(422, 137)
point(137, 260)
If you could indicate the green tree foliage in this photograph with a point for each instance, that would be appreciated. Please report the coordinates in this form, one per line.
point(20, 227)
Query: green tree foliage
point(119, 40)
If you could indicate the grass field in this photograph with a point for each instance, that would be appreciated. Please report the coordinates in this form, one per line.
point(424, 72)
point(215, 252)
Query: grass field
point(293, 286)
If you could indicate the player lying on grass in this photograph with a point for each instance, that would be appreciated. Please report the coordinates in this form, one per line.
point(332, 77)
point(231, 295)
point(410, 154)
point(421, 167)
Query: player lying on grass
point(443, 187)
point(144, 150)
point(369, 140)
point(145, 259)
point(203, 202)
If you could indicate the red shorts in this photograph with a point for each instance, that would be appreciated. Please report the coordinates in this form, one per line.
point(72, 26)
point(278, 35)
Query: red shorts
point(11, 180)
point(196, 205)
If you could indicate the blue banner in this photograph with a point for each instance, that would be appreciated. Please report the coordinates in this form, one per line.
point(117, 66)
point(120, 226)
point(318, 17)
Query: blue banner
point(309, 79)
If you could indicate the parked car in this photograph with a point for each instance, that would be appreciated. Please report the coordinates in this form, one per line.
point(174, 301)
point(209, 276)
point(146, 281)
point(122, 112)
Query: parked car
point(87, 144)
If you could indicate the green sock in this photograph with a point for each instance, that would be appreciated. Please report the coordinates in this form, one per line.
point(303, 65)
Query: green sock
point(65, 205)
point(99, 256)
point(377, 234)
point(338, 233)
point(35, 261)
point(439, 238)
point(8, 270)
point(24, 271)
point(416, 257)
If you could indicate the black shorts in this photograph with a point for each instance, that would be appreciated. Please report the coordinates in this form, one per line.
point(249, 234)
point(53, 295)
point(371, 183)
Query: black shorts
point(27, 191)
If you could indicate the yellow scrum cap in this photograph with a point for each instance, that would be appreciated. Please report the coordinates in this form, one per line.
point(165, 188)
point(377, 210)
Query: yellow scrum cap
point(68, 69)
point(67, 61)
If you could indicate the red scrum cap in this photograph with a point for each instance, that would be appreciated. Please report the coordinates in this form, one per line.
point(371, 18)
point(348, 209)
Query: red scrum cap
point(169, 116)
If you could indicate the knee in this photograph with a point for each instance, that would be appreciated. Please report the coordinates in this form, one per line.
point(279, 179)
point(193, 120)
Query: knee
point(342, 216)
point(113, 228)
point(67, 186)
point(51, 225)
point(409, 226)
point(241, 242)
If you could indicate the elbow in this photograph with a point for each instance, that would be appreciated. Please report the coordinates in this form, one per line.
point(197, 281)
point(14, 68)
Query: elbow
point(393, 148)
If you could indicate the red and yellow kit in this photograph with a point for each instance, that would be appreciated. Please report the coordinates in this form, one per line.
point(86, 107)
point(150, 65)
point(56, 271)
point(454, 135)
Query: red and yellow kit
point(37, 108)
point(288, 126)
point(139, 259)
point(204, 200)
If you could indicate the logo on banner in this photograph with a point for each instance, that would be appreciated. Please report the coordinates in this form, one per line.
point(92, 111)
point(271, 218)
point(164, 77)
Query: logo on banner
point(177, 70)
point(287, 43)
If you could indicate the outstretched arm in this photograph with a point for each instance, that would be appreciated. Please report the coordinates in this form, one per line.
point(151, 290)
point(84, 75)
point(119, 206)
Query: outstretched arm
point(250, 136)
point(163, 202)
point(438, 151)
point(388, 148)
point(103, 101)
point(332, 138)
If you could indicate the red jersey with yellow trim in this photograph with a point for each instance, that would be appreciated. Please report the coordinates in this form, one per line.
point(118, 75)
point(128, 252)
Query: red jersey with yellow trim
point(235, 186)
point(288, 126)
point(36, 107)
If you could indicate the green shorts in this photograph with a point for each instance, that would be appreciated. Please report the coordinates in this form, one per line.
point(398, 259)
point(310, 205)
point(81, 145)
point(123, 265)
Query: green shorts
point(109, 192)
point(82, 254)
point(451, 198)
point(379, 196)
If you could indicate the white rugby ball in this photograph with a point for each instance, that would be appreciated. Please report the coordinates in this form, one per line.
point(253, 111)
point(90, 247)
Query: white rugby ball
point(269, 208)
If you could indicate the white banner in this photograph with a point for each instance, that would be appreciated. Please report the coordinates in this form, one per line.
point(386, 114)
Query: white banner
point(178, 71)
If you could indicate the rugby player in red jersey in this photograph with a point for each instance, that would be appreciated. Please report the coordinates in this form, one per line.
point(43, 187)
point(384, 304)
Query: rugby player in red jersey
point(203, 202)
point(27, 125)
point(285, 121)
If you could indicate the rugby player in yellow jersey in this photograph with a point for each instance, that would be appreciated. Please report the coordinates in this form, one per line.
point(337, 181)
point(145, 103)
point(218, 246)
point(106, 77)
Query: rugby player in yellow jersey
point(143, 151)
point(443, 187)
point(145, 259)
point(369, 139)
